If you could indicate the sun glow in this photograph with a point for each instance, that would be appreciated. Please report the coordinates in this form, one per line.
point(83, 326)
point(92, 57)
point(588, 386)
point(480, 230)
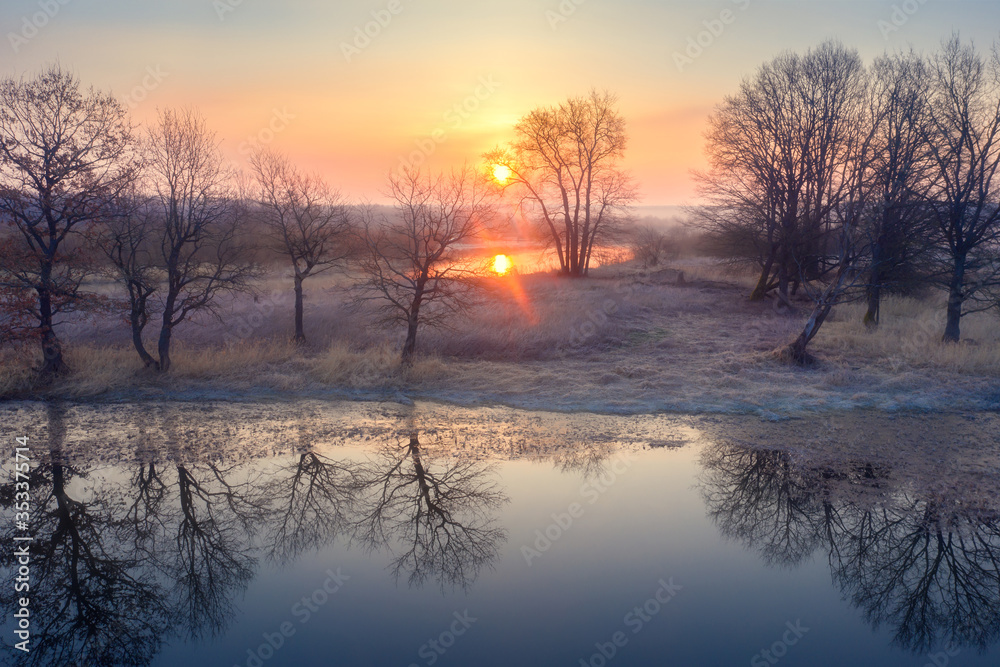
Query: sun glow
point(501, 173)
point(502, 265)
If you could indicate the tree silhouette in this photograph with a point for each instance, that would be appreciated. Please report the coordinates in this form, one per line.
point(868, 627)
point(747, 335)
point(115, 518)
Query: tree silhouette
point(94, 598)
point(314, 498)
point(927, 571)
point(436, 520)
point(213, 556)
point(757, 498)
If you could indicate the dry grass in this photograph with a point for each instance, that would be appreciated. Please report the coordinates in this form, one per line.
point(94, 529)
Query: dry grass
point(622, 340)
point(909, 336)
point(240, 361)
point(539, 317)
point(274, 365)
point(16, 376)
point(379, 367)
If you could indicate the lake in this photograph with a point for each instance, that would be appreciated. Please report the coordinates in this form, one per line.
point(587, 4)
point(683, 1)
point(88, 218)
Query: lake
point(325, 533)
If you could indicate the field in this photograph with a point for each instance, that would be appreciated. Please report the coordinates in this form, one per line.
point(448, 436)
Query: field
point(625, 340)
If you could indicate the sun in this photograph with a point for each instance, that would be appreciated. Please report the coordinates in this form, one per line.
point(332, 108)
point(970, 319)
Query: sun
point(502, 265)
point(501, 173)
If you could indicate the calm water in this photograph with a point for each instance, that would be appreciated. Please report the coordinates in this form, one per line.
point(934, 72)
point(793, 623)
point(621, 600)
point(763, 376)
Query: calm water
point(406, 545)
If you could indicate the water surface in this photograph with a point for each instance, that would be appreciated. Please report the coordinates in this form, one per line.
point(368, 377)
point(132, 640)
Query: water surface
point(180, 534)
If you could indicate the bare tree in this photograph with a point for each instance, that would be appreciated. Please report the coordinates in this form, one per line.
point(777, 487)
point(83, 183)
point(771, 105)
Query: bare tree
point(964, 140)
point(199, 247)
point(898, 232)
point(775, 163)
point(834, 91)
point(788, 157)
point(127, 240)
point(650, 245)
point(564, 166)
point(64, 154)
point(314, 498)
point(306, 221)
point(925, 568)
point(413, 262)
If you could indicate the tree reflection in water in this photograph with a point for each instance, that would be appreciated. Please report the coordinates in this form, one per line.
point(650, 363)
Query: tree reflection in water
point(314, 501)
point(436, 520)
point(123, 562)
point(94, 593)
point(919, 565)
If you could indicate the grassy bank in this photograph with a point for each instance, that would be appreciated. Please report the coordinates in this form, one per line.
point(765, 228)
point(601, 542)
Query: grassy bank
point(625, 340)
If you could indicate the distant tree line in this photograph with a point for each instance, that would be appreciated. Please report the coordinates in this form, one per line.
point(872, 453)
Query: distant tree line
point(842, 180)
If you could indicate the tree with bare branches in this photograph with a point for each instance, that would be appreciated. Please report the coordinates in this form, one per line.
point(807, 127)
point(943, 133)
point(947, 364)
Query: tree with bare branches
point(776, 157)
point(436, 517)
point(650, 245)
point(127, 240)
point(199, 247)
point(898, 230)
point(306, 221)
point(964, 140)
point(564, 166)
point(835, 93)
point(413, 261)
point(65, 154)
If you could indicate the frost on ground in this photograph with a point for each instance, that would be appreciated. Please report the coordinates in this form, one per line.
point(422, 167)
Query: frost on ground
point(622, 341)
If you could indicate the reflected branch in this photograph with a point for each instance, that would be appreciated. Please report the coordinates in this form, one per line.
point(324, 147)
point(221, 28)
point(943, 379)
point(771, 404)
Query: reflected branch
point(437, 521)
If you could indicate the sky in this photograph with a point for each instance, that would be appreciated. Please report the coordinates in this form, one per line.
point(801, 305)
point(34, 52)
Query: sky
point(353, 89)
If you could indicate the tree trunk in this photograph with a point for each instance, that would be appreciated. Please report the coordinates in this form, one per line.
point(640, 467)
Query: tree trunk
point(300, 334)
point(52, 357)
point(796, 352)
point(412, 320)
point(765, 277)
point(137, 327)
point(411, 340)
point(163, 348)
point(871, 318)
point(952, 330)
point(874, 291)
point(783, 283)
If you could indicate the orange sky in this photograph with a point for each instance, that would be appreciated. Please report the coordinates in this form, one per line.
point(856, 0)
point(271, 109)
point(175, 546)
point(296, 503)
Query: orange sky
point(278, 72)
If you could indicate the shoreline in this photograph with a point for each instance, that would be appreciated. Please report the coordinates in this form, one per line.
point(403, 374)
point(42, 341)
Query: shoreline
point(401, 396)
point(943, 455)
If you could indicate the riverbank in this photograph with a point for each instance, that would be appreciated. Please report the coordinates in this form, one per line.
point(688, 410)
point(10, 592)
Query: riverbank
point(625, 342)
